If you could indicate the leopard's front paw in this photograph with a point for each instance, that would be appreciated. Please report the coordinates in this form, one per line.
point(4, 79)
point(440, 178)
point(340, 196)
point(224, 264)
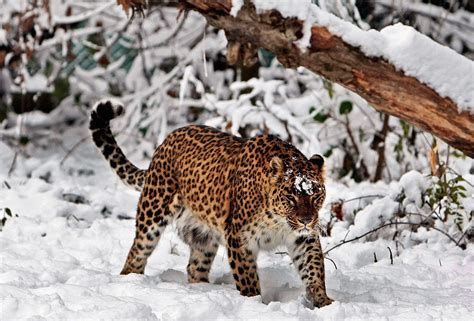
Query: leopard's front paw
point(323, 302)
point(127, 269)
point(318, 297)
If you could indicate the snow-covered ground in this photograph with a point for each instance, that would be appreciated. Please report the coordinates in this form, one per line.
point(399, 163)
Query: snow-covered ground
point(61, 256)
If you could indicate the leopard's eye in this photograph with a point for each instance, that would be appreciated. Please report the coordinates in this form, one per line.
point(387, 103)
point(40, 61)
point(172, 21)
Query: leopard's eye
point(317, 203)
point(291, 200)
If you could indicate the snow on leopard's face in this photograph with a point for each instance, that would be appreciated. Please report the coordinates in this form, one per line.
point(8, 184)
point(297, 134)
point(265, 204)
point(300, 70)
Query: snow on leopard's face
point(298, 197)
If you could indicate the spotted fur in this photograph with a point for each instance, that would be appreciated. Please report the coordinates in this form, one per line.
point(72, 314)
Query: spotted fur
point(220, 189)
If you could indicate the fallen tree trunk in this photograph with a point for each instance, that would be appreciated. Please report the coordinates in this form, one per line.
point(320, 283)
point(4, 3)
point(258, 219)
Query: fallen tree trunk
point(374, 79)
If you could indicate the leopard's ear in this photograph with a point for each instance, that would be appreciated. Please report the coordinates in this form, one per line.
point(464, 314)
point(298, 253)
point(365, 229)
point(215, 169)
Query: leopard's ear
point(318, 161)
point(276, 167)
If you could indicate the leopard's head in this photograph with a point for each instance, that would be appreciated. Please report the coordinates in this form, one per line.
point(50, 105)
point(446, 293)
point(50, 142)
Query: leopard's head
point(297, 193)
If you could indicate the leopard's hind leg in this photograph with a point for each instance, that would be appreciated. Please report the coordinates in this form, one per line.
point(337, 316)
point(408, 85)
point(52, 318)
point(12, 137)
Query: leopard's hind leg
point(203, 243)
point(159, 201)
point(200, 261)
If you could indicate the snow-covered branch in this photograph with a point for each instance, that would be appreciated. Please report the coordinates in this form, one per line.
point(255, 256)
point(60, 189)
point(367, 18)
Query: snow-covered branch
point(398, 70)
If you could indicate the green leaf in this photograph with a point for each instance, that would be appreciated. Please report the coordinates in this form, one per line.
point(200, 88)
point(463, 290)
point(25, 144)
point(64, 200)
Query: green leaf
point(329, 88)
point(8, 211)
point(48, 69)
point(321, 117)
point(61, 88)
point(345, 107)
point(405, 128)
point(458, 155)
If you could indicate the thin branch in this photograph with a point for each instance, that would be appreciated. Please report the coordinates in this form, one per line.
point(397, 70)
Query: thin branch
point(391, 255)
point(462, 236)
point(69, 153)
point(328, 258)
point(362, 197)
point(82, 16)
point(12, 166)
point(165, 41)
point(363, 167)
point(379, 146)
point(386, 225)
point(430, 11)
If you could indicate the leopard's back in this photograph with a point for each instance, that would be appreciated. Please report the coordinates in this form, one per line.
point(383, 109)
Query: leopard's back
point(202, 161)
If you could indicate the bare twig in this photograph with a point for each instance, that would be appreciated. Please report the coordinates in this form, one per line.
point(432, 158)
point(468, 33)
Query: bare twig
point(328, 258)
point(362, 197)
point(345, 236)
point(142, 56)
point(12, 166)
point(391, 255)
point(386, 225)
point(76, 145)
point(379, 146)
point(363, 167)
point(462, 236)
point(165, 41)
point(430, 11)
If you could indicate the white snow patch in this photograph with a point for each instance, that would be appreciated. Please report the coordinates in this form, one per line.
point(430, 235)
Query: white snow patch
point(3, 37)
point(413, 185)
point(116, 103)
point(236, 6)
point(303, 184)
point(35, 83)
point(289, 8)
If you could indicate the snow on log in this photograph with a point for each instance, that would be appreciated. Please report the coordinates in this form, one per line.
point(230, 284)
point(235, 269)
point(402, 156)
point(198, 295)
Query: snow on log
point(397, 70)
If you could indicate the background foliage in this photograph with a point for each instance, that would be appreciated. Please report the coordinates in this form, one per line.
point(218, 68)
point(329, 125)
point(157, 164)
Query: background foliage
point(58, 57)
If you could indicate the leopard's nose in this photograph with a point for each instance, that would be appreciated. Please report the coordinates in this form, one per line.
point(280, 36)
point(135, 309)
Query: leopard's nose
point(306, 219)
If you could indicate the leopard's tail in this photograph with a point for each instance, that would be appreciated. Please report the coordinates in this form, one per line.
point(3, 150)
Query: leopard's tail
point(104, 111)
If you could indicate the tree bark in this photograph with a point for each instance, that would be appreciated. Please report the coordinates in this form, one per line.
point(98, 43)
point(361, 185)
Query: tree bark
point(385, 88)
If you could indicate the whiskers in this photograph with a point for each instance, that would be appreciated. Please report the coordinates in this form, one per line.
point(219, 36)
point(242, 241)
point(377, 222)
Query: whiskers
point(311, 229)
point(320, 229)
point(294, 224)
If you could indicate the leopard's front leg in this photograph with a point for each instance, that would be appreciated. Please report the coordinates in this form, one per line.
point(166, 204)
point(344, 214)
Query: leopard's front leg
point(309, 261)
point(243, 263)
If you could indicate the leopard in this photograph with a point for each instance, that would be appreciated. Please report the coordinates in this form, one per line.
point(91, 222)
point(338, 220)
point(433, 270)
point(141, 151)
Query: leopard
point(247, 194)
